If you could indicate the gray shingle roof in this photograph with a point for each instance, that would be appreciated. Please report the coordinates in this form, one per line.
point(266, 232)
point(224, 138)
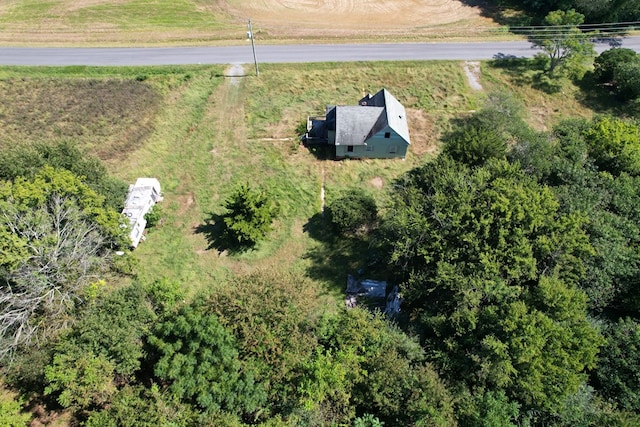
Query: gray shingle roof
point(355, 124)
point(395, 117)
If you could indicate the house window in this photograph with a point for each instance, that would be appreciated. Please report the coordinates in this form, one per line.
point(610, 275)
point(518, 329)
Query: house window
point(387, 135)
point(393, 149)
point(369, 147)
point(349, 148)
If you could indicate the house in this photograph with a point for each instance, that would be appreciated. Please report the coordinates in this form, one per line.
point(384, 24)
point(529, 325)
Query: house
point(143, 195)
point(375, 128)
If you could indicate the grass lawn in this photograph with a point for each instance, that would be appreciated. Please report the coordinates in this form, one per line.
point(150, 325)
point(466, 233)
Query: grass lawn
point(120, 21)
point(201, 134)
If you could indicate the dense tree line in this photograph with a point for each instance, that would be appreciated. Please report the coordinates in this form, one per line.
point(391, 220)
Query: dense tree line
point(596, 11)
point(523, 256)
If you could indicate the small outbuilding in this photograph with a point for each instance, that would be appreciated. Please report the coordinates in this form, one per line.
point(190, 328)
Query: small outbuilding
point(375, 128)
point(142, 196)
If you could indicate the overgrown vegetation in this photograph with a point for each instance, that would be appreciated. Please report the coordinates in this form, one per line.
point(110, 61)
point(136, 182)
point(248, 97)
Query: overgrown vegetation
point(57, 237)
point(515, 250)
point(112, 116)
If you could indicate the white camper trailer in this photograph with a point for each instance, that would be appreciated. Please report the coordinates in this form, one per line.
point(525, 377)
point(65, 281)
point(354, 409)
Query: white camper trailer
point(143, 195)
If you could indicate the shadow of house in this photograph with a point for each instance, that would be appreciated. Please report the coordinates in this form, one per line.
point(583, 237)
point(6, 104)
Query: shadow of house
point(376, 128)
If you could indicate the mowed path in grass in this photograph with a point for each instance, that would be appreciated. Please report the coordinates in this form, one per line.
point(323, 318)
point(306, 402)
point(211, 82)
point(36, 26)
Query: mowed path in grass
point(197, 22)
point(200, 151)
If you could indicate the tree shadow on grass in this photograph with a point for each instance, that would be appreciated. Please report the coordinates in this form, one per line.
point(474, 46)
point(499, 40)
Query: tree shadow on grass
point(601, 98)
point(519, 69)
point(527, 72)
point(501, 15)
point(336, 256)
point(213, 230)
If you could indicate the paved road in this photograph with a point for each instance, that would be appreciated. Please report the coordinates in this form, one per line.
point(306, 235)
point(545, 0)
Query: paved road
point(271, 53)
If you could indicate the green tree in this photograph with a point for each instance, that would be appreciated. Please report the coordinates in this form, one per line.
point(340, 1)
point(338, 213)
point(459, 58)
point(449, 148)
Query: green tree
point(609, 10)
point(487, 133)
point(596, 11)
point(384, 370)
point(115, 327)
point(80, 382)
point(563, 45)
point(327, 383)
point(585, 184)
point(249, 217)
point(353, 211)
point(137, 406)
point(271, 314)
point(57, 237)
point(27, 160)
point(474, 146)
point(542, 7)
point(198, 359)
point(627, 81)
point(11, 412)
point(617, 375)
point(607, 63)
point(492, 409)
point(490, 267)
point(614, 145)
point(367, 420)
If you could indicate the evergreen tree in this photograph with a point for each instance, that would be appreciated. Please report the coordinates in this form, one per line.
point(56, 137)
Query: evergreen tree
point(249, 217)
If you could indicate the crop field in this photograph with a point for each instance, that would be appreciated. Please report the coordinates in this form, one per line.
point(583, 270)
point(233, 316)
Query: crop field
point(144, 22)
point(202, 133)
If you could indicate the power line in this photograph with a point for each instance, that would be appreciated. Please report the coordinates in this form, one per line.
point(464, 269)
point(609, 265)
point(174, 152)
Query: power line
point(603, 24)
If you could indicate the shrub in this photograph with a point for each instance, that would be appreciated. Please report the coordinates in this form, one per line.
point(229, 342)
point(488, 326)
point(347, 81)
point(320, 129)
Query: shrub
point(11, 414)
point(615, 145)
point(352, 211)
point(474, 146)
point(80, 382)
point(154, 216)
point(627, 81)
point(28, 159)
point(608, 62)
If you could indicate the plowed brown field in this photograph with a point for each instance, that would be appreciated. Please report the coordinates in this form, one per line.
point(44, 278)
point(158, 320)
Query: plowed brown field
point(142, 22)
point(342, 18)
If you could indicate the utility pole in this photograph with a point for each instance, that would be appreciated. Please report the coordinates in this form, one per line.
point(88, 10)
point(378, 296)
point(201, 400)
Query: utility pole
point(253, 47)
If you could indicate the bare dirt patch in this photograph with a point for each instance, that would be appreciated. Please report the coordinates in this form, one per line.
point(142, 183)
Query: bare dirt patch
point(185, 203)
point(472, 70)
point(377, 182)
point(235, 72)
